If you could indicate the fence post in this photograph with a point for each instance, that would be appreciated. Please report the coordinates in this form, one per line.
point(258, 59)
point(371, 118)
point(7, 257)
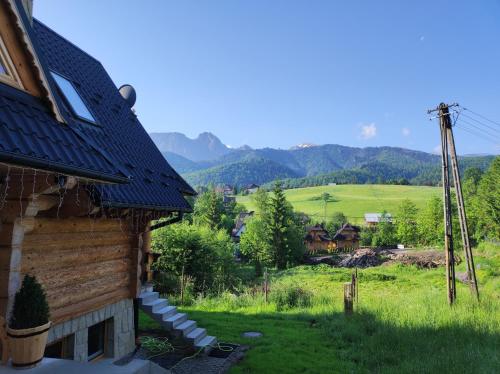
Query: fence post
point(265, 284)
point(348, 298)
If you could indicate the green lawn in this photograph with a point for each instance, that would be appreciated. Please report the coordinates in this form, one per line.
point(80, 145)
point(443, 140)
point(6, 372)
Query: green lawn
point(353, 200)
point(402, 323)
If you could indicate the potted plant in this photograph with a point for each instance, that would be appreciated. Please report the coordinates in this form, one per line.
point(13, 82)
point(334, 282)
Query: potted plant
point(29, 324)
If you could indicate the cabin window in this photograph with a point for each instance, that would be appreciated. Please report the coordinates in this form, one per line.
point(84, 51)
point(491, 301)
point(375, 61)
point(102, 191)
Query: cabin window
point(8, 73)
point(73, 98)
point(63, 348)
point(96, 340)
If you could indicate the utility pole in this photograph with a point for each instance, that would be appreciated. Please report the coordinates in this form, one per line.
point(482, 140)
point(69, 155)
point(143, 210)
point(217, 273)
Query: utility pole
point(448, 146)
point(444, 117)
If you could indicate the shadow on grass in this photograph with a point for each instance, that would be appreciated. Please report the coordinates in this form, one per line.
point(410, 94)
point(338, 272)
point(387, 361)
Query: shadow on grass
point(360, 343)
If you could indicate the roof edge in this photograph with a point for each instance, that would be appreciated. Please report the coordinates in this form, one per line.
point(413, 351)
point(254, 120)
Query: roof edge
point(29, 162)
point(24, 27)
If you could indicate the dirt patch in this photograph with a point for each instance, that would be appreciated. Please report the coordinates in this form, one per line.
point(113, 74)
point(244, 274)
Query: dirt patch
point(361, 258)
point(422, 259)
point(368, 257)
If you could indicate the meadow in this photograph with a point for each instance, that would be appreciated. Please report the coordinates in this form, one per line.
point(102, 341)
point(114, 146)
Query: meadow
point(402, 322)
point(354, 200)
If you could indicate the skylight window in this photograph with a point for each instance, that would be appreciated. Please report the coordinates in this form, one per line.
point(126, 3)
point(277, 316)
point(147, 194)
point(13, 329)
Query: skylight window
point(73, 98)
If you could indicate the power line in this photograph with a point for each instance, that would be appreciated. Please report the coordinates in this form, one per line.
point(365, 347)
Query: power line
point(483, 117)
point(478, 122)
point(481, 130)
point(462, 127)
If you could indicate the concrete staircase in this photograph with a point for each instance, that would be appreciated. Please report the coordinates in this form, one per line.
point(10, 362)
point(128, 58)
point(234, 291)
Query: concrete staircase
point(171, 320)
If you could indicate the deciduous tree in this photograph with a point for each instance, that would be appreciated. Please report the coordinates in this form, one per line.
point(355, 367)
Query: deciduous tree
point(406, 223)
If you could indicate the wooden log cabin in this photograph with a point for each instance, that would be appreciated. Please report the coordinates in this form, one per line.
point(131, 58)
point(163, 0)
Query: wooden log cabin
point(347, 237)
point(80, 182)
point(318, 240)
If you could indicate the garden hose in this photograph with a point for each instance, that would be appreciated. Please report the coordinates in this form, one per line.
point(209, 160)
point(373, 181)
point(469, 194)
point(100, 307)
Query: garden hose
point(224, 348)
point(157, 346)
point(161, 345)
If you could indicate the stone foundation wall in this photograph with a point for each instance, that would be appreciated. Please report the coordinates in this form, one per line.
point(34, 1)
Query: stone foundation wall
point(120, 338)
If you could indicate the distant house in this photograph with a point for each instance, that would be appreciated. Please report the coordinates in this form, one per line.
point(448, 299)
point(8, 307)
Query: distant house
point(240, 225)
point(227, 189)
point(372, 219)
point(347, 237)
point(318, 239)
point(251, 188)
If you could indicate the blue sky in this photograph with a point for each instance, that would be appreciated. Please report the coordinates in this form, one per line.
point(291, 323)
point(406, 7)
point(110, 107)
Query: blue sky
point(280, 73)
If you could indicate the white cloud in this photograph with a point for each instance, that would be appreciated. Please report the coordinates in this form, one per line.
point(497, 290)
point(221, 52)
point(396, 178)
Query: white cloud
point(437, 149)
point(422, 38)
point(405, 131)
point(368, 131)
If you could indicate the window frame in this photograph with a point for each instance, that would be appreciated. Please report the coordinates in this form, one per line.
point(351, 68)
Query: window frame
point(67, 349)
point(92, 121)
point(10, 77)
point(102, 326)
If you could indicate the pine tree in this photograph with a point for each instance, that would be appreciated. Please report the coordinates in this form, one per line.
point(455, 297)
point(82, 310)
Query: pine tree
point(277, 223)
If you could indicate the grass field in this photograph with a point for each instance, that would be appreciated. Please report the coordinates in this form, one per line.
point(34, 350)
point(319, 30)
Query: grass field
point(353, 200)
point(402, 323)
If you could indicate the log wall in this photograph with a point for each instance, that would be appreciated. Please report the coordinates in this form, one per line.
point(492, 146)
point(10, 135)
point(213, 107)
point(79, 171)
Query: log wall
point(82, 263)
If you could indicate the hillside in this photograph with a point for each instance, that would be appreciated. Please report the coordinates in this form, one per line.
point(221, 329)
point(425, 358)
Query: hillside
point(249, 170)
point(353, 200)
point(378, 172)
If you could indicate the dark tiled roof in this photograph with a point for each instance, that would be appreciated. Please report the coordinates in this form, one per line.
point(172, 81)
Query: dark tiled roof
point(347, 227)
point(118, 145)
point(30, 136)
point(316, 227)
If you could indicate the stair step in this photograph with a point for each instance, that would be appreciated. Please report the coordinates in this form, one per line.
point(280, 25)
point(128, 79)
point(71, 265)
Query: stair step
point(148, 297)
point(208, 342)
point(164, 313)
point(196, 335)
point(171, 322)
point(155, 305)
point(186, 327)
point(170, 319)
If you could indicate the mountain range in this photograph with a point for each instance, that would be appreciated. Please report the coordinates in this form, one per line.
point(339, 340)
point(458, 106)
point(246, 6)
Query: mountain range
point(206, 160)
point(203, 148)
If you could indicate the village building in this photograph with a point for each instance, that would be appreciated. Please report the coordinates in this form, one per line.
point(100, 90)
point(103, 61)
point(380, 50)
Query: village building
point(240, 225)
point(80, 183)
point(225, 190)
point(318, 239)
point(373, 219)
point(347, 237)
point(251, 188)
